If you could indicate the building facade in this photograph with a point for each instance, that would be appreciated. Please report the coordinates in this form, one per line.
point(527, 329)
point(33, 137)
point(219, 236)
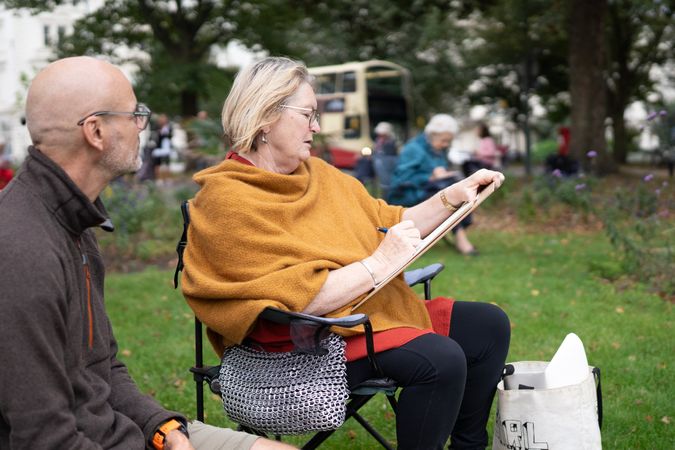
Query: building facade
point(26, 41)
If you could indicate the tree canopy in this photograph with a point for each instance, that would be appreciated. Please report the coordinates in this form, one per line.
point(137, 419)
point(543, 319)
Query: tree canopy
point(177, 35)
point(497, 52)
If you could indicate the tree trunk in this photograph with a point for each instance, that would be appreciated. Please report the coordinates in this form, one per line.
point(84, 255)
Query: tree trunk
point(620, 138)
point(188, 103)
point(587, 86)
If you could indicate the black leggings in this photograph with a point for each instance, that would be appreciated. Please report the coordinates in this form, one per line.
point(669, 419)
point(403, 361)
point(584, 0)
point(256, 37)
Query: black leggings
point(448, 382)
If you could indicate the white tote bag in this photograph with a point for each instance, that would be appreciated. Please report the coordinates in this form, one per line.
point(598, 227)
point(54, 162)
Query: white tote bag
point(533, 418)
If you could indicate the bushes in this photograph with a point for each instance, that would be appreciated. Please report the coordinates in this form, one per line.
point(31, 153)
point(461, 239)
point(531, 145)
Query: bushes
point(636, 216)
point(638, 221)
point(147, 224)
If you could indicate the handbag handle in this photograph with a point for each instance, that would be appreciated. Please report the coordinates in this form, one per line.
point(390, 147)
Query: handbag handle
point(509, 369)
point(598, 393)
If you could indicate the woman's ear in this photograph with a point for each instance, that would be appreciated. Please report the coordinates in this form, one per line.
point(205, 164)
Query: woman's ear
point(93, 134)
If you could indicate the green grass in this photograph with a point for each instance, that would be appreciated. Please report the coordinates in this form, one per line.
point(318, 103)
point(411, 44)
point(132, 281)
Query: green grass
point(549, 285)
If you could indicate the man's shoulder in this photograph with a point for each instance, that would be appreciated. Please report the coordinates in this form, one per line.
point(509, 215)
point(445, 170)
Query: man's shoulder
point(25, 223)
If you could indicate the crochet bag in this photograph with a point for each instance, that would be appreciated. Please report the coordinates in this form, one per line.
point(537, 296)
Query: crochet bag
point(285, 392)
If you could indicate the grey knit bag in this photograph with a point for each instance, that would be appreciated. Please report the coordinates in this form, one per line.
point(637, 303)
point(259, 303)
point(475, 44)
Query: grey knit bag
point(287, 392)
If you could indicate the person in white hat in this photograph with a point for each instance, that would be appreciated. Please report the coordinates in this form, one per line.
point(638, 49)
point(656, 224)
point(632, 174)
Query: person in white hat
point(385, 154)
point(423, 169)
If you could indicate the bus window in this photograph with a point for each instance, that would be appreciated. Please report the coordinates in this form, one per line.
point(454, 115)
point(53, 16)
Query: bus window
point(334, 105)
point(352, 128)
point(325, 84)
point(384, 82)
point(349, 82)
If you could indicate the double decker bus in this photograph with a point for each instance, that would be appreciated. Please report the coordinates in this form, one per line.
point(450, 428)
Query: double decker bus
point(353, 98)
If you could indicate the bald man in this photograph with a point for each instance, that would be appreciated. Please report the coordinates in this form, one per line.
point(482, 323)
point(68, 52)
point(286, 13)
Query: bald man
point(61, 385)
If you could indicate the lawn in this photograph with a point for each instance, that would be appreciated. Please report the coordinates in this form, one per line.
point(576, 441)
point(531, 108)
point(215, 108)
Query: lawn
point(550, 284)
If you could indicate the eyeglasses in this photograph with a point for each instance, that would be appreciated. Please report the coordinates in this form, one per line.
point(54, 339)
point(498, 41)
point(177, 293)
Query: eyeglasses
point(141, 115)
point(312, 116)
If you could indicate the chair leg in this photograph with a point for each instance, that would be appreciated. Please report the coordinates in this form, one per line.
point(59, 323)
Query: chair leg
point(373, 432)
point(200, 401)
point(393, 402)
point(317, 439)
point(353, 406)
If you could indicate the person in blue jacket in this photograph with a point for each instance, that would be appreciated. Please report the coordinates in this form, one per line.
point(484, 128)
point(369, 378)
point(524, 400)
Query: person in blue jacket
point(422, 170)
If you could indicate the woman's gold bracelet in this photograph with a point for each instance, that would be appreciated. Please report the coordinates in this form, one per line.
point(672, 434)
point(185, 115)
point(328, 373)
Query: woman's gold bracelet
point(450, 207)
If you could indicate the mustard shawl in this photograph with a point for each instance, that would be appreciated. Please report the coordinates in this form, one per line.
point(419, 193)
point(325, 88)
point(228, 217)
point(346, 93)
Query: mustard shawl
point(259, 239)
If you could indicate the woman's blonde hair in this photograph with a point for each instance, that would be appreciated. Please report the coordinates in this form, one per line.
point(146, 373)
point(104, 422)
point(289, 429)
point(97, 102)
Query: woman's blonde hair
point(255, 99)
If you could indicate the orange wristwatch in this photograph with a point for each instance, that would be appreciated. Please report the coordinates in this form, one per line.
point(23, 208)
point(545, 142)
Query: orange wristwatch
point(166, 428)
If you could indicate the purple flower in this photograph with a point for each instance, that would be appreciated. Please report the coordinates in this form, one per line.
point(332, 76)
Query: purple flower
point(663, 113)
point(592, 154)
point(664, 184)
point(657, 192)
point(652, 115)
point(648, 177)
point(580, 187)
point(557, 173)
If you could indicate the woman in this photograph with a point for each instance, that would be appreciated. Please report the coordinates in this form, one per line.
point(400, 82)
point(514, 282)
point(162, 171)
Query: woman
point(385, 154)
point(487, 154)
point(422, 170)
point(272, 226)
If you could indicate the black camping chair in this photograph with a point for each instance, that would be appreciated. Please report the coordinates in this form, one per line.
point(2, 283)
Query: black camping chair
point(359, 395)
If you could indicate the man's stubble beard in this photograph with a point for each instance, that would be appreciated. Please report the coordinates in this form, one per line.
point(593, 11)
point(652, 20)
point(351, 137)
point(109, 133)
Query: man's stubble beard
point(116, 160)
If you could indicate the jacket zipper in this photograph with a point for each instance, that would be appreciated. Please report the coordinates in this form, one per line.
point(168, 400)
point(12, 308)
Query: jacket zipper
point(87, 277)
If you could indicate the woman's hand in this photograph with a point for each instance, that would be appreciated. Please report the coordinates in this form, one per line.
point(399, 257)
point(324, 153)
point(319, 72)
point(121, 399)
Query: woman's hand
point(466, 190)
point(397, 247)
point(441, 172)
point(345, 284)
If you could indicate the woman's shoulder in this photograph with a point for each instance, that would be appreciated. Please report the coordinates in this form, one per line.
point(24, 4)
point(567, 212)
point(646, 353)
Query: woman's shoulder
point(418, 143)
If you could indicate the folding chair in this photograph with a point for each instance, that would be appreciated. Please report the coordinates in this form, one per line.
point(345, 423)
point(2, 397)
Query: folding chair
point(359, 395)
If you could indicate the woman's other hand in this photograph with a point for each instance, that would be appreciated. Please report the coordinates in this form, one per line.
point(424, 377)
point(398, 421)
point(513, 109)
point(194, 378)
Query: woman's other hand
point(441, 172)
point(466, 190)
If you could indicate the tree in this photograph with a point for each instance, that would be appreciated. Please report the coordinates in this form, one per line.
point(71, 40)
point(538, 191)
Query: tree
point(517, 50)
point(420, 35)
point(640, 34)
point(178, 35)
point(587, 85)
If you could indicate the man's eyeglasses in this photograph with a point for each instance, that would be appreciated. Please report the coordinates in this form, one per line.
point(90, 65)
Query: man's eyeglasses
point(312, 116)
point(141, 115)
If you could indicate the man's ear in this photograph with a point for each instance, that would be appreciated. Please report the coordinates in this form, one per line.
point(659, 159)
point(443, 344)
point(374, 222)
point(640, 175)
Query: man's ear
point(93, 133)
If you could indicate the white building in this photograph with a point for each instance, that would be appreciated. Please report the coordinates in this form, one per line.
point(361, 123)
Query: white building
point(25, 41)
point(25, 48)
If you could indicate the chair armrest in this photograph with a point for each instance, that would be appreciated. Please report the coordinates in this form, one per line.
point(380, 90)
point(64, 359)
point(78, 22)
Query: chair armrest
point(307, 331)
point(209, 375)
point(286, 317)
point(413, 277)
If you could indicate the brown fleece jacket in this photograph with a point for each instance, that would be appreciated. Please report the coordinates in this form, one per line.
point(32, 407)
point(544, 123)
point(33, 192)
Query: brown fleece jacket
point(61, 384)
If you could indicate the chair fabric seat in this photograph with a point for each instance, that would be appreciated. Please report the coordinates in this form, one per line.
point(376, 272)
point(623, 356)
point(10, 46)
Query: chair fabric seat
point(375, 385)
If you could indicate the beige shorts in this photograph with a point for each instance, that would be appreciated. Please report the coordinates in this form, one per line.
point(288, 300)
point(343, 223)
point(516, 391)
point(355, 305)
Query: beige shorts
point(207, 437)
